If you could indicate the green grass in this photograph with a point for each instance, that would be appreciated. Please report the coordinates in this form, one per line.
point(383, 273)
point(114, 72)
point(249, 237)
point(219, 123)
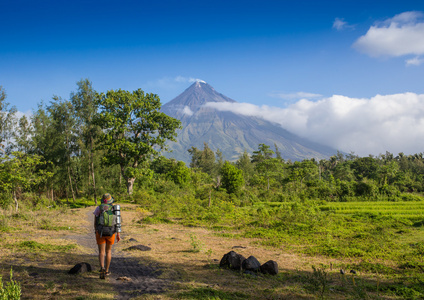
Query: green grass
point(33, 246)
point(209, 293)
point(412, 210)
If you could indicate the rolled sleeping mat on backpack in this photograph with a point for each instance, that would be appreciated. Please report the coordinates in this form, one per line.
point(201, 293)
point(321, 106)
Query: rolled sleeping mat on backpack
point(117, 210)
point(117, 213)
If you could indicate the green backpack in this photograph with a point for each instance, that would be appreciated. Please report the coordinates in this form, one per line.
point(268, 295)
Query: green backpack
point(106, 221)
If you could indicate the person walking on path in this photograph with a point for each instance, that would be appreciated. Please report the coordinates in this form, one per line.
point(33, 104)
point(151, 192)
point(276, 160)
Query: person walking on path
point(107, 225)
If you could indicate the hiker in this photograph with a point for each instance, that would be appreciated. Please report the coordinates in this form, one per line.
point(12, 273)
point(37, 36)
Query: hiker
point(107, 225)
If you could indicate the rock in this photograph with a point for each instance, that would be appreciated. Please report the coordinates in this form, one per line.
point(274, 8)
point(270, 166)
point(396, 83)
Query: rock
point(240, 247)
point(80, 268)
point(133, 240)
point(232, 260)
point(270, 267)
point(138, 247)
point(251, 264)
point(124, 278)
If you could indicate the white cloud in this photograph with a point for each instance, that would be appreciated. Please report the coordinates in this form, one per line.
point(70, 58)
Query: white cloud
point(416, 61)
point(339, 24)
point(393, 123)
point(171, 82)
point(188, 79)
point(298, 95)
point(398, 36)
point(187, 111)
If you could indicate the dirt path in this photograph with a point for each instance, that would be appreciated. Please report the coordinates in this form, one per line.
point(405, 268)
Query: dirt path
point(130, 276)
point(172, 266)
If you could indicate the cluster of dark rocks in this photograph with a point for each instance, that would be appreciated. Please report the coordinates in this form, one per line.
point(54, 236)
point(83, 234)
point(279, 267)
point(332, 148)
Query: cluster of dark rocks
point(250, 265)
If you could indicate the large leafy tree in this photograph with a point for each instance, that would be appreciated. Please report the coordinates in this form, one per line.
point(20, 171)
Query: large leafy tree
point(134, 131)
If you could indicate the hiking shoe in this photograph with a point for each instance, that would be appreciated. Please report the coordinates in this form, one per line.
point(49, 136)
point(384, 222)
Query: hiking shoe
point(102, 274)
point(107, 273)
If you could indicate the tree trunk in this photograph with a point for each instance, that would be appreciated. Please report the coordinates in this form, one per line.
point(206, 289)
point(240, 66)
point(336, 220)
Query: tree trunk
point(92, 171)
point(130, 185)
point(69, 170)
point(16, 201)
point(70, 183)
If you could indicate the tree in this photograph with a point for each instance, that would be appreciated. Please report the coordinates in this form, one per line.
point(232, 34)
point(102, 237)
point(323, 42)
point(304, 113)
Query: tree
point(203, 159)
point(85, 104)
point(244, 163)
point(20, 172)
point(64, 128)
point(179, 173)
point(232, 178)
point(23, 135)
point(7, 122)
point(263, 153)
point(266, 165)
point(134, 131)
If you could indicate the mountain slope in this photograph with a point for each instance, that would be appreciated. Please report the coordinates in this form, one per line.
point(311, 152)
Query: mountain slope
point(229, 132)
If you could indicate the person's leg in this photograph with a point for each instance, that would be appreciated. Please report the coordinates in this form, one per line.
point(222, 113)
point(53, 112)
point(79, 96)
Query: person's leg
point(108, 256)
point(102, 248)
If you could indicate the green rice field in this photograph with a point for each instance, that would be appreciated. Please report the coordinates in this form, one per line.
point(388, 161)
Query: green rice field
point(408, 209)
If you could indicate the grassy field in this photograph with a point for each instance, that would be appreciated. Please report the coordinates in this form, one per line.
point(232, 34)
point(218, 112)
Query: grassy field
point(382, 242)
point(412, 210)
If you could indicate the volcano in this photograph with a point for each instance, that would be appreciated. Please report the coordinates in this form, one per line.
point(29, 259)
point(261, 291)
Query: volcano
point(229, 132)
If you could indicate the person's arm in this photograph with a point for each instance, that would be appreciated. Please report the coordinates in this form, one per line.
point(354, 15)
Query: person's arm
point(96, 214)
point(118, 236)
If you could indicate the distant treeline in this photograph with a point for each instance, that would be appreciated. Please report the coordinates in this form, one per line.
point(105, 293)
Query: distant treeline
point(95, 143)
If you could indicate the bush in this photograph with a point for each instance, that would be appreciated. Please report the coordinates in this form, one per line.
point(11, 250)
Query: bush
point(6, 200)
point(12, 290)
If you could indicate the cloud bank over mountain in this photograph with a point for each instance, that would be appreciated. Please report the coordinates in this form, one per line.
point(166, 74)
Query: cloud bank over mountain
point(393, 123)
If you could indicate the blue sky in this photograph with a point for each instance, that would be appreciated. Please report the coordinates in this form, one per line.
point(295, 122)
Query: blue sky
point(293, 58)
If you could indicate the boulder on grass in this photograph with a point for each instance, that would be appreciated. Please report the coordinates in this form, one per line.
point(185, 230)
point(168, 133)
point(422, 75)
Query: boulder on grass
point(270, 267)
point(80, 268)
point(251, 264)
point(232, 260)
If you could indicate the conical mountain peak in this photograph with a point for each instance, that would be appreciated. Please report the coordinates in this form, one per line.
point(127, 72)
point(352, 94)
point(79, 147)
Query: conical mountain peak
point(193, 100)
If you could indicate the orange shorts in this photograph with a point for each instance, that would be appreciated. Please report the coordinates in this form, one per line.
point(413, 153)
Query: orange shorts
point(110, 240)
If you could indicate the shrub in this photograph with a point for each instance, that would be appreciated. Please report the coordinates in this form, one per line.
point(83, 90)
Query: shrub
point(12, 290)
